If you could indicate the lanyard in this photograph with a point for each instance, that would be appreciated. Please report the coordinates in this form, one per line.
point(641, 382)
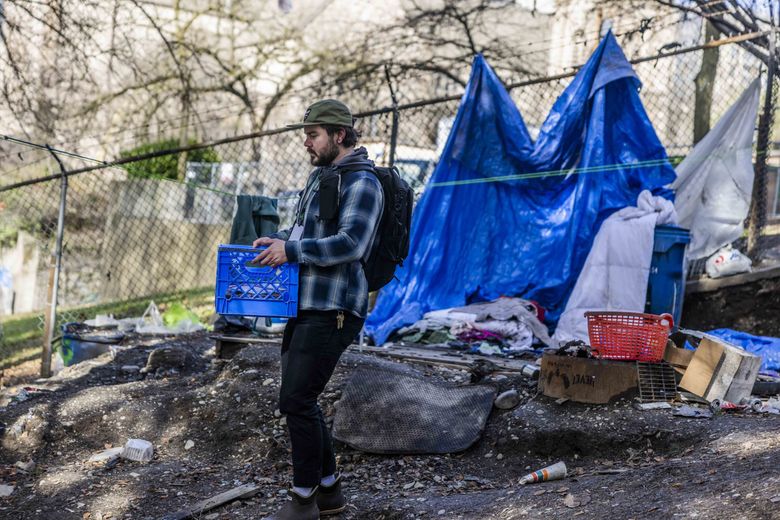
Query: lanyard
point(306, 197)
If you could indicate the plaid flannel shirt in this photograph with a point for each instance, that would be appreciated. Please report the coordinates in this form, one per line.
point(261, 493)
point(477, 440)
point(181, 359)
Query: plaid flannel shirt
point(330, 252)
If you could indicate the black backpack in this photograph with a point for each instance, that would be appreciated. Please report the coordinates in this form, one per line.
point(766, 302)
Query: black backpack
point(392, 235)
point(394, 229)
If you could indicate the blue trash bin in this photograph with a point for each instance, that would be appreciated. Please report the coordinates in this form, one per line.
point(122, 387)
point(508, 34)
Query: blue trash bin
point(81, 342)
point(666, 284)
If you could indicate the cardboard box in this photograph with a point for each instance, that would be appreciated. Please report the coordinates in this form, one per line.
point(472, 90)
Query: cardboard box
point(719, 371)
point(679, 358)
point(596, 381)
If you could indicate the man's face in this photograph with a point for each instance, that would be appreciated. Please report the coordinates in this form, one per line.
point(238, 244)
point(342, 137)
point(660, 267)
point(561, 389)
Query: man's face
point(322, 148)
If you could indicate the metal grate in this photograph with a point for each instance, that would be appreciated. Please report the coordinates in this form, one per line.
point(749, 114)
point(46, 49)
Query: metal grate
point(384, 411)
point(656, 382)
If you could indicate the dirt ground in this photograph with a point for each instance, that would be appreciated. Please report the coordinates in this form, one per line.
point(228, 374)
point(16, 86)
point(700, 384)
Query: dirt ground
point(751, 307)
point(623, 463)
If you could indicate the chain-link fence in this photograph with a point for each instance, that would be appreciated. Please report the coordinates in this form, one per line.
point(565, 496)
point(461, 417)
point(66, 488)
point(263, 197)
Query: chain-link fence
point(130, 237)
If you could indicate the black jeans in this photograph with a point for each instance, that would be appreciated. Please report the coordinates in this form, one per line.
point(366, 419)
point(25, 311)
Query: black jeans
point(311, 348)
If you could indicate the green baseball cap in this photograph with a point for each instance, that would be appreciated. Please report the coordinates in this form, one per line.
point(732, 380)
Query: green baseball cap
point(326, 112)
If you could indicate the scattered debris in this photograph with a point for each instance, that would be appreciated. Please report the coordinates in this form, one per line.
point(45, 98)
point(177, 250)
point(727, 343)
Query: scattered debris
point(609, 471)
point(555, 472)
point(607, 446)
point(766, 386)
point(138, 450)
point(27, 467)
point(245, 491)
point(6, 490)
point(576, 348)
point(531, 371)
point(189, 445)
point(658, 405)
point(106, 456)
point(688, 397)
point(747, 404)
point(28, 392)
point(103, 321)
point(691, 411)
point(507, 400)
point(166, 358)
point(771, 406)
point(573, 501)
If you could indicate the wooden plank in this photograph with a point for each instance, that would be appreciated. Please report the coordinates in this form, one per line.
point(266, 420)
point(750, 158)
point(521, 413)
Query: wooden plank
point(723, 376)
point(678, 357)
point(433, 355)
point(245, 491)
point(713, 284)
point(227, 346)
point(702, 368)
point(744, 379)
point(244, 339)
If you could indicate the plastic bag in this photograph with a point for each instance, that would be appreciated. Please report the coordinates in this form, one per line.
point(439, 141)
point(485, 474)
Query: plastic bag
point(151, 322)
point(103, 321)
point(727, 261)
point(180, 319)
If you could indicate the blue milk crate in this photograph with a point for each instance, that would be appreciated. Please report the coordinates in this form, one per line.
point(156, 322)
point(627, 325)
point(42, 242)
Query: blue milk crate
point(666, 283)
point(246, 289)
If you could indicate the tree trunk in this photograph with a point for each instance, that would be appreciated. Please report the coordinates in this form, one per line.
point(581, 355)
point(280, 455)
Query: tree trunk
point(758, 203)
point(705, 83)
point(185, 96)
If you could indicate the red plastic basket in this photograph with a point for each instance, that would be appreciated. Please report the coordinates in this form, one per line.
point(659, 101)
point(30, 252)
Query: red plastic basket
point(630, 336)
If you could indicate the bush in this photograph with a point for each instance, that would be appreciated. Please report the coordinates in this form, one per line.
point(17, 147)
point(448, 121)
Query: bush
point(165, 166)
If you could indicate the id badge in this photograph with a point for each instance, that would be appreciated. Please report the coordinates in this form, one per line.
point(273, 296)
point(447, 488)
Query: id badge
point(296, 233)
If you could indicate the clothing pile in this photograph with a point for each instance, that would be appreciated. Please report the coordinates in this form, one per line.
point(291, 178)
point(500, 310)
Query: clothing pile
point(500, 327)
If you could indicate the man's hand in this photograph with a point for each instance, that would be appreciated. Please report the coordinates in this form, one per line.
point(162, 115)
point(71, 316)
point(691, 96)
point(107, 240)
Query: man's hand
point(272, 256)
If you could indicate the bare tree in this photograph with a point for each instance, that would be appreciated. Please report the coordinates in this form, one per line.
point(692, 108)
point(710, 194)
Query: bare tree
point(738, 17)
point(72, 68)
point(430, 49)
point(705, 84)
point(44, 58)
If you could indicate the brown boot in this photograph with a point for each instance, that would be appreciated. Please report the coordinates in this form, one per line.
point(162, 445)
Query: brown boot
point(330, 499)
point(298, 508)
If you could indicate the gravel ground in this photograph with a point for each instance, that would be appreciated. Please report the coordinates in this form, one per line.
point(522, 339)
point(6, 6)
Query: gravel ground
point(623, 463)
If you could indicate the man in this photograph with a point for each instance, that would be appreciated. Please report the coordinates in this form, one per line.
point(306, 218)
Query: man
point(335, 226)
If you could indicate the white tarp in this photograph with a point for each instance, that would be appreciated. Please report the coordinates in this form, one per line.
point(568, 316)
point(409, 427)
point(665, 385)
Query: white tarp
point(715, 181)
point(615, 274)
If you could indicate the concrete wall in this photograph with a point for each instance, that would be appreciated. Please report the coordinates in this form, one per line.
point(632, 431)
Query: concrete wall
point(153, 244)
point(27, 267)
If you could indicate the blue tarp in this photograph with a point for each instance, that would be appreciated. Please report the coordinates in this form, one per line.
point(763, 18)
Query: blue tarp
point(766, 347)
point(503, 215)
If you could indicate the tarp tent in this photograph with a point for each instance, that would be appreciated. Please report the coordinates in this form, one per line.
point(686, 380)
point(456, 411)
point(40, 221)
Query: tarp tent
point(503, 215)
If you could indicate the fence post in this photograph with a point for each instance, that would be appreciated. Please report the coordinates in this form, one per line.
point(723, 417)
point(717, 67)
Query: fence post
point(394, 130)
point(758, 204)
point(50, 319)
